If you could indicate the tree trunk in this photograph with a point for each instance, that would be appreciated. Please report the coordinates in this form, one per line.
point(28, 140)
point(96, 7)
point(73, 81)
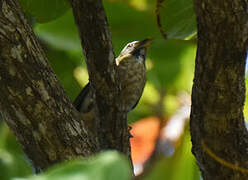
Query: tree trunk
point(218, 131)
point(33, 103)
point(97, 47)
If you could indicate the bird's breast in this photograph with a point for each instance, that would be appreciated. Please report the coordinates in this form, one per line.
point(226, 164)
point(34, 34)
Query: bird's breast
point(132, 78)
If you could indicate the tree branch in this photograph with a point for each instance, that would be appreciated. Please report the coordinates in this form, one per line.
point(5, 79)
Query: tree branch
point(32, 102)
point(217, 122)
point(97, 47)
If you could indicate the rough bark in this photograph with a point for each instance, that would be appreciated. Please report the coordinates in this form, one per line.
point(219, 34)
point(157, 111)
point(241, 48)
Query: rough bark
point(219, 136)
point(32, 102)
point(97, 47)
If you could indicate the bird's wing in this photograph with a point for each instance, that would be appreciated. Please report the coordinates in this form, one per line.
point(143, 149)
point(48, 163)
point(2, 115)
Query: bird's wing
point(83, 96)
point(135, 104)
point(78, 102)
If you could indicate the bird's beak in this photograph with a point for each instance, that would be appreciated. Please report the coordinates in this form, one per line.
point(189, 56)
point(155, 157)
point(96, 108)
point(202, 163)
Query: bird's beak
point(144, 44)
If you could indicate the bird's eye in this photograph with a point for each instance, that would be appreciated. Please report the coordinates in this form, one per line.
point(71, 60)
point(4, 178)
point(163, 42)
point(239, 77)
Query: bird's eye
point(129, 45)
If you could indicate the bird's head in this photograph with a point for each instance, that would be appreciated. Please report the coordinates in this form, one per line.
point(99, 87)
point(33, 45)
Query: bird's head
point(136, 50)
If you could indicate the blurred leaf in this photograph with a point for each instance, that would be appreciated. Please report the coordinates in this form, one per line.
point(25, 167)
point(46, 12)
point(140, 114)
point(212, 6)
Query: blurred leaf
point(64, 66)
point(181, 166)
point(139, 4)
point(45, 10)
point(105, 166)
point(128, 24)
point(61, 33)
point(177, 18)
point(171, 104)
point(3, 133)
point(184, 81)
point(6, 162)
point(246, 100)
point(81, 75)
point(145, 133)
point(13, 162)
point(167, 59)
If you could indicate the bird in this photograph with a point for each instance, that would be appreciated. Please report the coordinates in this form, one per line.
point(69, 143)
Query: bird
point(130, 75)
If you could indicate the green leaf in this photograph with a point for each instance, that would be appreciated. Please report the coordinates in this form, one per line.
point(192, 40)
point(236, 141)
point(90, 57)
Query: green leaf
point(45, 10)
point(12, 159)
point(246, 100)
point(178, 18)
point(61, 33)
point(167, 64)
point(181, 166)
point(64, 66)
point(105, 166)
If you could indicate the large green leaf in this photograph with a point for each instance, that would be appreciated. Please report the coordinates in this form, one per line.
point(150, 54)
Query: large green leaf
point(105, 166)
point(178, 18)
point(45, 10)
point(61, 33)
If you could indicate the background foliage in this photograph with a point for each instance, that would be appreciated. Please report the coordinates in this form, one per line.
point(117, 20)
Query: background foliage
point(164, 106)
